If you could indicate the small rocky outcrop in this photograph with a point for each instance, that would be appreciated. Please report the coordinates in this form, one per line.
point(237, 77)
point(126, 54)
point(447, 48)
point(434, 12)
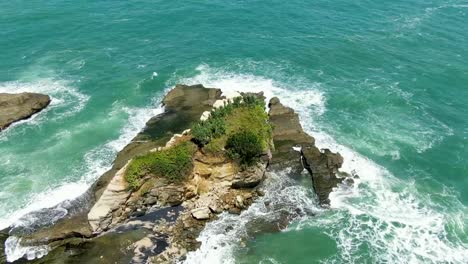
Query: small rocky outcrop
point(296, 149)
point(287, 134)
point(323, 168)
point(250, 177)
point(16, 107)
point(159, 220)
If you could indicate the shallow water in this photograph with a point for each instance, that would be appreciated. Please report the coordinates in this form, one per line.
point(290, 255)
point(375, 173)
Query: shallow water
point(382, 83)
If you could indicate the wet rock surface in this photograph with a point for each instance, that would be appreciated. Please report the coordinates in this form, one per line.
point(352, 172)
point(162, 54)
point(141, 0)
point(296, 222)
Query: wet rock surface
point(16, 107)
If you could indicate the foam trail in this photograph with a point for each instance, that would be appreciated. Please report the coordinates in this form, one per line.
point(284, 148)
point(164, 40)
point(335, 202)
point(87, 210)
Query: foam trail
point(396, 223)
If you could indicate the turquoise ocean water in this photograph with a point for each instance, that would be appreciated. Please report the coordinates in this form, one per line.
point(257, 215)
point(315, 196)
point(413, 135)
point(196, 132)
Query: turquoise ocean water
point(385, 83)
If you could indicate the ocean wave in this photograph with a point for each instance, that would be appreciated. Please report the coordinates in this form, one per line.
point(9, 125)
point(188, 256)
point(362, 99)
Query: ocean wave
point(386, 214)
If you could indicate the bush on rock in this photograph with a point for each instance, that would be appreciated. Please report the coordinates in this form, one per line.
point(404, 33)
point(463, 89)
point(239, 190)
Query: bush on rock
point(245, 146)
point(173, 163)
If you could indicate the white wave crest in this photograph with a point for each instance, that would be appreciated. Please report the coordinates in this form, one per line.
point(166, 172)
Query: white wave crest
point(229, 82)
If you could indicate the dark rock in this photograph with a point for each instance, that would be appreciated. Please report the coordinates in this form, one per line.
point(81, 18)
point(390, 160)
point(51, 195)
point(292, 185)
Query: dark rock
point(16, 107)
point(323, 166)
point(138, 213)
point(67, 228)
point(3, 237)
point(287, 133)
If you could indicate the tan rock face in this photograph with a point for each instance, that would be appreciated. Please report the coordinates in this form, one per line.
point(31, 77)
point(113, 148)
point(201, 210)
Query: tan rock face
point(250, 177)
point(201, 213)
point(115, 194)
point(16, 107)
point(287, 133)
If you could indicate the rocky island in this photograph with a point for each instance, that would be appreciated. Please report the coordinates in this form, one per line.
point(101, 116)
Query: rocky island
point(205, 155)
point(16, 107)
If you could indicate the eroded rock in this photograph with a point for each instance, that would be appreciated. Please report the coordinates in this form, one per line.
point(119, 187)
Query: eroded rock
point(296, 149)
point(250, 177)
point(16, 107)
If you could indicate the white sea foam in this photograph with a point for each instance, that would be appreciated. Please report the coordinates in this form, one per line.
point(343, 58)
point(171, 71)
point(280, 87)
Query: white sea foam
point(14, 251)
point(228, 82)
point(397, 224)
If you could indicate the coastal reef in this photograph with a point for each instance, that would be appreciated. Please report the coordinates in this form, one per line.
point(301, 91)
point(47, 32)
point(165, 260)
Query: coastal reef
point(205, 155)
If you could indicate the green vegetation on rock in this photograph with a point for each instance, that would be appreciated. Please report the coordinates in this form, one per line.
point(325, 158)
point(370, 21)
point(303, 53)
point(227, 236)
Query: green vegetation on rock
point(244, 146)
point(230, 123)
point(173, 163)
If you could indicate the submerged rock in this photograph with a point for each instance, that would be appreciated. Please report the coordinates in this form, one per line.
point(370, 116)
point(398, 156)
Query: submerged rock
point(16, 107)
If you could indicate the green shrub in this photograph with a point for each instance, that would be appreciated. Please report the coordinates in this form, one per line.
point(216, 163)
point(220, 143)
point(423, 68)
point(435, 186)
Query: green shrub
point(215, 147)
point(215, 126)
point(204, 131)
point(173, 163)
point(253, 119)
point(245, 146)
point(252, 100)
